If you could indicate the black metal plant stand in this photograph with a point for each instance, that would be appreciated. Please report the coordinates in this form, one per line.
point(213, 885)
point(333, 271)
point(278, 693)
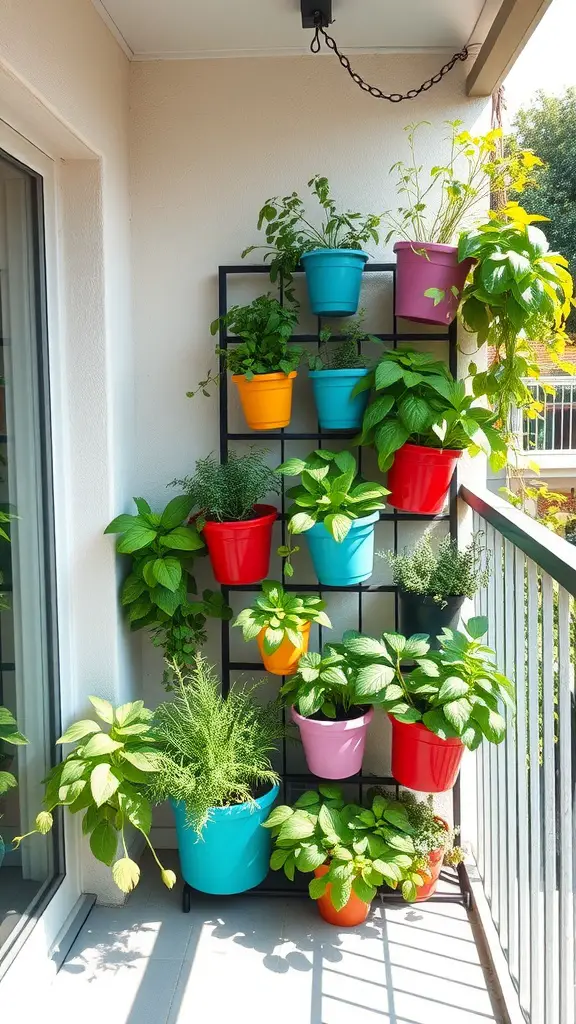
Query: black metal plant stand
point(294, 782)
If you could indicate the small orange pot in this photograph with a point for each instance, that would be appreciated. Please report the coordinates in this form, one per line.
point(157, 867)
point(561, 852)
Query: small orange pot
point(284, 661)
point(435, 861)
point(266, 399)
point(353, 913)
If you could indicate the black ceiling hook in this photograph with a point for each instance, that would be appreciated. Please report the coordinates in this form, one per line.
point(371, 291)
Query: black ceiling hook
point(310, 9)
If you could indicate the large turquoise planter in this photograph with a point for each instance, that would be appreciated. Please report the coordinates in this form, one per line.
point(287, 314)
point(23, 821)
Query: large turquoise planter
point(334, 277)
point(337, 409)
point(346, 563)
point(233, 853)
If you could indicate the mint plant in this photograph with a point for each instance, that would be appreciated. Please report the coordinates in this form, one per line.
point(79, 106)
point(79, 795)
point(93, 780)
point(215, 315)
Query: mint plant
point(106, 777)
point(324, 682)
point(282, 615)
point(155, 592)
point(364, 848)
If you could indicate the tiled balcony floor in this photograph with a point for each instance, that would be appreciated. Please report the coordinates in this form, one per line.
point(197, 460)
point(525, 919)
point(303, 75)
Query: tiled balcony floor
point(258, 960)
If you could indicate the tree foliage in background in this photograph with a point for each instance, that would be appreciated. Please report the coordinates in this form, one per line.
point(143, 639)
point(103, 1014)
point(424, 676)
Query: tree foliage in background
point(548, 127)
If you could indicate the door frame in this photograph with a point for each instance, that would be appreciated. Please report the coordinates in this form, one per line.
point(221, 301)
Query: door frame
point(38, 938)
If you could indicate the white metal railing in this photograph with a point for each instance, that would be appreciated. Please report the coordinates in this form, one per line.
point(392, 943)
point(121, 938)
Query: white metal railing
point(526, 786)
point(554, 429)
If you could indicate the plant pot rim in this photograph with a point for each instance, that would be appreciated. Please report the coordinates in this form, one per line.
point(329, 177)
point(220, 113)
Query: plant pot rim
point(435, 453)
point(267, 512)
point(353, 371)
point(373, 517)
point(429, 246)
point(240, 810)
point(304, 628)
point(429, 599)
point(259, 378)
point(326, 249)
point(337, 725)
point(426, 733)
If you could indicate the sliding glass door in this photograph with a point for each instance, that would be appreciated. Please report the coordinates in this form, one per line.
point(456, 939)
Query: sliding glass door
point(28, 649)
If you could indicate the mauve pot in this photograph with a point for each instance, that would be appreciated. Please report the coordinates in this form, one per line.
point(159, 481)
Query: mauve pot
point(334, 749)
point(424, 265)
point(419, 613)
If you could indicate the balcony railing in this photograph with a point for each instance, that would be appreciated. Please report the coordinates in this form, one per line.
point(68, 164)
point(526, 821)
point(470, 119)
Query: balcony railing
point(525, 842)
point(554, 430)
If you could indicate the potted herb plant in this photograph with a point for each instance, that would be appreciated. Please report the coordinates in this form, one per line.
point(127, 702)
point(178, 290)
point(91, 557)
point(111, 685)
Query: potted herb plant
point(335, 371)
point(332, 707)
point(106, 778)
point(280, 622)
point(352, 851)
point(332, 254)
point(155, 594)
point(519, 293)
point(452, 699)
point(433, 584)
point(337, 511)
point(434, 842)
point(263, 363)
point(420, 421)
point(9, 733)
point(215, 769)
point(236, 526)
point(431, 271)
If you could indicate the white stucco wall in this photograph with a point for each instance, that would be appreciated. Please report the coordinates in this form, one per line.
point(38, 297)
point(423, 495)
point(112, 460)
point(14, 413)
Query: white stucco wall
point(64, 85)
point(210, 141)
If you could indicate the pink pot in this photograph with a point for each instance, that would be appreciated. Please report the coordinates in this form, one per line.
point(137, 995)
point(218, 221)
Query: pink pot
point(424, 265)
point(334, 750)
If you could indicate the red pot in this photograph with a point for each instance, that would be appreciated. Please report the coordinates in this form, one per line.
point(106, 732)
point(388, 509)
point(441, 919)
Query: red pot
point(421, 760)
point(354, 912)
point(240, 551)
point(435, 861)
point(419, 478)
point(424, 265)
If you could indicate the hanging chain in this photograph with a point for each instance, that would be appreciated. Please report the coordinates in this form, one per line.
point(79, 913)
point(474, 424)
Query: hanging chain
point(393, 97)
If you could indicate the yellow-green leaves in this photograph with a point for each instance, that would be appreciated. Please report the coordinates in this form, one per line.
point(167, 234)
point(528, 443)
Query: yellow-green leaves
point(44, 822)
point(126, 874)
point(103, 783)
point(78, 731)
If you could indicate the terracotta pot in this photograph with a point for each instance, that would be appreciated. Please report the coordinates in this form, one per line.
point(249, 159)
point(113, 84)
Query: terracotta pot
point(435, 861)
point(284, 660)
point(354, 912)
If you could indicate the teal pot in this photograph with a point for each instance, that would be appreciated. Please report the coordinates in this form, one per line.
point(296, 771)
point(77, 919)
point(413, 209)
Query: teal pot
point(334, 277)
point(346, 563)
point(337, 409)
point(233, 853)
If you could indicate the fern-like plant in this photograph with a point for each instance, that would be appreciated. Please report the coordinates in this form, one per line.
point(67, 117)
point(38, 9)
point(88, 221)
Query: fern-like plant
point(446, 572)
point(214, 750)
point(227, 491)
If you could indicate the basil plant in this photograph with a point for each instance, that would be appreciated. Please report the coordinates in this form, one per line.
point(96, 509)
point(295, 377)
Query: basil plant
point(363, 847)
point(282, 615)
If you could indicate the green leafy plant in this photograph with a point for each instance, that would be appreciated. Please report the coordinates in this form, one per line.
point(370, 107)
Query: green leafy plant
point(456, 691)
point(282, 615)
point(9, 733)
point(364, 848)
point(155, 593)
point(518, 293)
point(436, 205)
point(442, 573)
point(289, 232)
point(330, 492)
point(323, 683)
point(214, 750)
point(416, 399)
point(106, 776)
point(346, 354)
point(227, 491)
point(429, 832)
point(265, 327)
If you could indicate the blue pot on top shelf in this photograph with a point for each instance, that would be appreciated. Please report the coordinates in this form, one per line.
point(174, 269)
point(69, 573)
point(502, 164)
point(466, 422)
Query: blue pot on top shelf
point(347, 562)
point(333, 277)
point(337, 409)
point(233, 853)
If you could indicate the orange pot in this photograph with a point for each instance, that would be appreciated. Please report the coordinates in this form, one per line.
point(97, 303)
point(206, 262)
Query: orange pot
point(435, 861)
point(266, 399)
point(284, 661)
point(354, 912)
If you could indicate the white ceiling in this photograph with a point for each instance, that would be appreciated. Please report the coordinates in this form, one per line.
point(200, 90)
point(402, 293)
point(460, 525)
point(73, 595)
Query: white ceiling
point(156, 29)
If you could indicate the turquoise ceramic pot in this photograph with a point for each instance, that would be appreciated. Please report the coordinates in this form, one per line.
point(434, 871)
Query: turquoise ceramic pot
point(334, 277)
point(234, 852)
point(346, 563)
point(337, 409)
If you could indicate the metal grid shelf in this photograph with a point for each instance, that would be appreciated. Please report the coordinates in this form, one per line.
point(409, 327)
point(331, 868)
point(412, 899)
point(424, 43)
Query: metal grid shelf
point(276, 884)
